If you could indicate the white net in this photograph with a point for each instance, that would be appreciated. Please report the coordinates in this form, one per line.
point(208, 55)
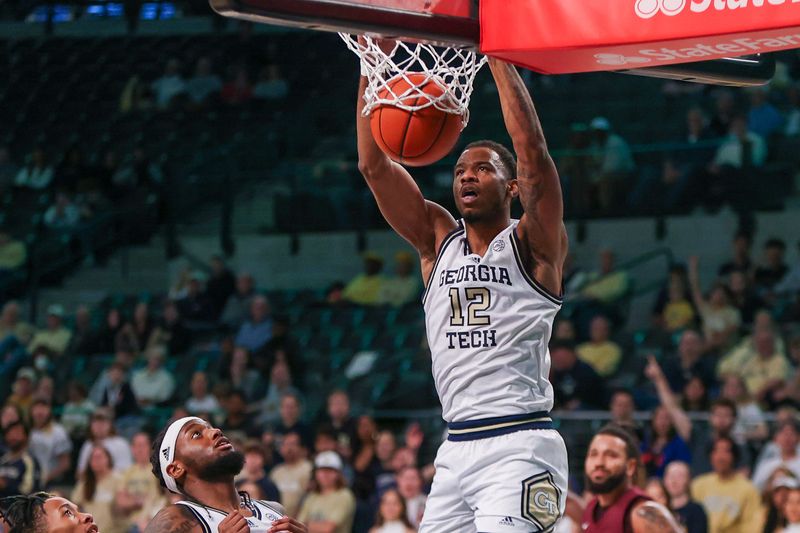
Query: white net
point(453, 70)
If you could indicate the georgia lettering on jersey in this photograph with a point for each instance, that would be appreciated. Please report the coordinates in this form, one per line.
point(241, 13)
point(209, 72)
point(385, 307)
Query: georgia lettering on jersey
point(478, 300)
point(488, 324)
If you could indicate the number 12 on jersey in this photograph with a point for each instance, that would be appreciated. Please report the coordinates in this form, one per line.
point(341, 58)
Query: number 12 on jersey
point(478, 299)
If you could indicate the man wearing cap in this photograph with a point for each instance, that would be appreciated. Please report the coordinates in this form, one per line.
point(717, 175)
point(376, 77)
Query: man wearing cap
point(330, 506)
point(404, 286)
point(153, 384)
point(197, 461)
point(613, 160)
point(365, 289)
point(786, 437)
point(55, 337)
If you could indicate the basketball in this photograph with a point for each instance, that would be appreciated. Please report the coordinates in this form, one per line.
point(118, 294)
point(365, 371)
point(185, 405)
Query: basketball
point(414, 138)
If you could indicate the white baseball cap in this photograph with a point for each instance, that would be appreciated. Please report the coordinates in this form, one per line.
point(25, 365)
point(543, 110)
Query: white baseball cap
point(329, 460)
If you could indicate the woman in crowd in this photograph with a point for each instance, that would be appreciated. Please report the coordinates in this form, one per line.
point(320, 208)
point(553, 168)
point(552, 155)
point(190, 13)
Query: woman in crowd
point(391, 516)
point(780, 483)
point(721, 320)
point(96, 489)
point(662, 444)
point(657, 491)
point(329, 505)
point(102, 433)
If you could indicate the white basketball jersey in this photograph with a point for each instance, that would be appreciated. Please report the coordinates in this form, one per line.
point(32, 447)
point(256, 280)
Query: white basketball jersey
point(488, 324)
point(261, 521)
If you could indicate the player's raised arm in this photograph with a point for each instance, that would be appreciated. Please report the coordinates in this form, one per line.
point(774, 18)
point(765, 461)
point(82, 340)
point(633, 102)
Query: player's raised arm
point(541, 228)
point(399, 199)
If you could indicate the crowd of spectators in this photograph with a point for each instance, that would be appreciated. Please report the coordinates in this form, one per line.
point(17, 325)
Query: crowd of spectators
point(717, 370)
point(730, 139)
point(91, 440)
point(204, 88)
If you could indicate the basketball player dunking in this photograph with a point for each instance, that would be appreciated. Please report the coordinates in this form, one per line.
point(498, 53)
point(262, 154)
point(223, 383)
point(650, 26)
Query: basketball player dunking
point(197, 461)
point(493, 288)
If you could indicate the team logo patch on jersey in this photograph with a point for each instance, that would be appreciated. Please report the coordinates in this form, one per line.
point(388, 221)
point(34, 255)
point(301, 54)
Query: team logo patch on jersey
point(540, 500)
point(499, 246)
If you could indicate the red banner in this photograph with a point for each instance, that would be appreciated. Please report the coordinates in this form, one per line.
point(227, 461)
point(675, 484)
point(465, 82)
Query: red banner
point(562, 36)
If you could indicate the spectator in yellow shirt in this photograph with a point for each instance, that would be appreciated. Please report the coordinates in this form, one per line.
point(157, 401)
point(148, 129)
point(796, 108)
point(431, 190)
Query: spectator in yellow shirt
point(365, 289)
point(608, 284)
point(731, 501)
point(55, 337)
point(767, 371)
point(12, 252)
point(404, 286)
point(10, 323)
point(330, 506)
point(600, 353)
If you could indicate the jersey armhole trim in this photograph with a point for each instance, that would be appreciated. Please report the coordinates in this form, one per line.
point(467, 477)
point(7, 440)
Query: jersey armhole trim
point(203, 524)
point(515, 244)
point(450, 237)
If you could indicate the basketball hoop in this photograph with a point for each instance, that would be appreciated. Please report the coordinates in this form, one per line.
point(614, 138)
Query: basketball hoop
point(452, 69)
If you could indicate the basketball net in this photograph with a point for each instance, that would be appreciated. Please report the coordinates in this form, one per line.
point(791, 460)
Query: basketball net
point(452, 69)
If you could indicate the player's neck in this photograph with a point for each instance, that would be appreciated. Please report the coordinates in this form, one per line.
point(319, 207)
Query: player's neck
point(220, 495)
point(610, 498)
point(480, 233)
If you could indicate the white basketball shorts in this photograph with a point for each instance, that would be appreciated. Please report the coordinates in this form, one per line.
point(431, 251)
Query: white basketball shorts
point(512, 482)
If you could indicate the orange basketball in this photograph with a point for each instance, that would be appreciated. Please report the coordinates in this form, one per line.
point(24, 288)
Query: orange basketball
point(414, 138)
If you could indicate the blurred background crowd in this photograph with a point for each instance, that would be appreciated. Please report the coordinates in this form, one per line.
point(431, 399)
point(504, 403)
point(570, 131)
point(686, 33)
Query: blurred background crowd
point(174, 126)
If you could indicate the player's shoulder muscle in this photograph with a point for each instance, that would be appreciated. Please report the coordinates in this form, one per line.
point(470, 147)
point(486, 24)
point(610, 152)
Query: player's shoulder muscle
point(174, 519)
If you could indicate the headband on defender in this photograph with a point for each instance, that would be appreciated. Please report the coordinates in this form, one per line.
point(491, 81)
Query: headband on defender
point(167, 452)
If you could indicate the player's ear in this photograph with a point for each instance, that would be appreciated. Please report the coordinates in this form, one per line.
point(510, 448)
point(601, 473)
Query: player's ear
point(176, 470)
point(630, 467)
point(513, 188)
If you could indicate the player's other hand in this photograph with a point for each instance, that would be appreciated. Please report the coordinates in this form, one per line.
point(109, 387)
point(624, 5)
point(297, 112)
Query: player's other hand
point(287, 523)
point(234, 523)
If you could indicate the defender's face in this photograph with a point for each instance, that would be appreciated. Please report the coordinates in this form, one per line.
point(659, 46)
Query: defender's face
point(606, 459)
point(62, 516)
point(480, 184)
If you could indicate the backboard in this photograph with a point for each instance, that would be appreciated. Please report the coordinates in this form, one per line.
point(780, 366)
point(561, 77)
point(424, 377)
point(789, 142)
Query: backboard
point(446, 22)
point(457, 23)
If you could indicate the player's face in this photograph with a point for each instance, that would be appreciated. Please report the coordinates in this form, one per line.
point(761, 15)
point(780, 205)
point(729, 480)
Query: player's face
point(200, 445)
point(62, 516)
point(607, 464)
point(480, 185)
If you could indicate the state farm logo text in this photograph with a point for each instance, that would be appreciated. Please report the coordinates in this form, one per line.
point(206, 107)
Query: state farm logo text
point(649, 8)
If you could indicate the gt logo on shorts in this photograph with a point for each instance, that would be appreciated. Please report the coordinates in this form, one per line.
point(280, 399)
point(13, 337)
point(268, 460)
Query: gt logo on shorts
point(540, 500)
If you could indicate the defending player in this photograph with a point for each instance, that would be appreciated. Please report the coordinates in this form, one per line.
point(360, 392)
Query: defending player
point(493, 288)
point(618, 506)
point(43, 513)
point(196, 460)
